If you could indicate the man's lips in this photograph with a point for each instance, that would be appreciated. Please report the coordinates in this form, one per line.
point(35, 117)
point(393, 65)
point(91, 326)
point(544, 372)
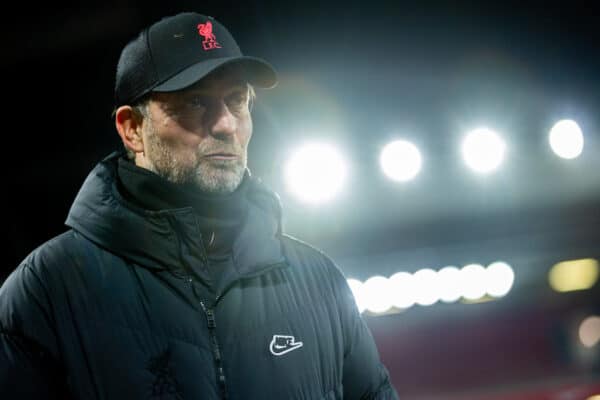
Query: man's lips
point(222, 156)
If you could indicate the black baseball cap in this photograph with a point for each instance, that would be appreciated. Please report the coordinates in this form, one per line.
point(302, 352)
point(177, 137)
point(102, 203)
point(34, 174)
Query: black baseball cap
point(178, 51)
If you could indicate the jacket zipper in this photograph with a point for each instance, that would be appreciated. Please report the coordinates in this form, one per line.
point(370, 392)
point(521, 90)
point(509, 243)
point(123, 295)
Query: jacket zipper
point(216, 351)
point(212, 325)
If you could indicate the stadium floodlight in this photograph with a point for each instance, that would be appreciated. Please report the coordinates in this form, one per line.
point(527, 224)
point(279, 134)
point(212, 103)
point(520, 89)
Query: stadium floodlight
point(566, 139)
point(315, 173)
point(500, 279)
point(400, 160)
point(483, 150)
point(375, 293)
point(355, 287)
point(402, 290)
point(589, 331)
point(571, 275)
point(449, 284)
point(473, 278)
point(426, 287)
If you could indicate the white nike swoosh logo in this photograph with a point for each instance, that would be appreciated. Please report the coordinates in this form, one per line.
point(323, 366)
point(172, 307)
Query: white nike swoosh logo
point(278, 349)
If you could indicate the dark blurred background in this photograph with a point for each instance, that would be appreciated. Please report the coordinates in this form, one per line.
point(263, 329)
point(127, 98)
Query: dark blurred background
point(357, 75)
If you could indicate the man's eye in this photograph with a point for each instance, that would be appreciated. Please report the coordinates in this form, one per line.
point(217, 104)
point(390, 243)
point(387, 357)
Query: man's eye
point(237, 99)
point(196, 102)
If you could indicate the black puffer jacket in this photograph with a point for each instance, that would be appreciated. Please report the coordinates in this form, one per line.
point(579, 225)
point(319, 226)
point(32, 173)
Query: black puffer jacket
point(122, 306)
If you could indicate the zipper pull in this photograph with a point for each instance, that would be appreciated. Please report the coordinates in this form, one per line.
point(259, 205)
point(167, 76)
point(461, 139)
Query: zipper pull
point(210, 317)
point(211, 241)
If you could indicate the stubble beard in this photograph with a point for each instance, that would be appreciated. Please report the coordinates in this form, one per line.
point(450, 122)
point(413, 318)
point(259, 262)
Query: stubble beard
point(219, 176)
point(208, 175)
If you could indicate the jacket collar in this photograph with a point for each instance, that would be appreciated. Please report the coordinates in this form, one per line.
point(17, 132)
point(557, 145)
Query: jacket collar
point(165, 239)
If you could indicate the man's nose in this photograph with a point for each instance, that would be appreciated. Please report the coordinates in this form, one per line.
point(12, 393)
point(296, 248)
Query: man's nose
point(224, 123)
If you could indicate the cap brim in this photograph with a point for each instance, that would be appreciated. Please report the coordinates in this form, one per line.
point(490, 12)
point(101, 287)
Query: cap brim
point(257, 72)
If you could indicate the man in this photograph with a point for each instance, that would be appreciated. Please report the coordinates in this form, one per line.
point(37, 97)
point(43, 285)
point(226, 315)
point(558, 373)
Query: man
point(175, 280)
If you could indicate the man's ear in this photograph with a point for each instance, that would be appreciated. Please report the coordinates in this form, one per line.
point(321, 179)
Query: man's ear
point(129, 126)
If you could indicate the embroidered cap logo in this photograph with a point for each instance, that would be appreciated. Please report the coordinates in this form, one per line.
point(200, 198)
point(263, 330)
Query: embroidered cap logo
point(210, 41)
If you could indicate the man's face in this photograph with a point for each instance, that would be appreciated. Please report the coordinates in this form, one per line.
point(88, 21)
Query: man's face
point(200, 135)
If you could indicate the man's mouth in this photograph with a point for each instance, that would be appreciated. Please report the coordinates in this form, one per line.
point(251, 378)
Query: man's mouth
point(222, 156)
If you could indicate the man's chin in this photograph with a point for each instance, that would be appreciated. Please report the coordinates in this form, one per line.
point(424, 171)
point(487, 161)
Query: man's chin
point(219, 180)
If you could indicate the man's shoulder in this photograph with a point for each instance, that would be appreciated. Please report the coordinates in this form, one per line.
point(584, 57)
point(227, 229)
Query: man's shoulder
point(51, 251)
point(47, 259)
point(298, 246)
point(308, 256)
point(30, 294)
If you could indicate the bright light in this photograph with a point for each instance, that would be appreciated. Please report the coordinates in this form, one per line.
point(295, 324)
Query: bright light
point(594, 397)
point(315, 173)
point(500, 278)
point(589, 331)
point(402, 290)
point(483, 150)
point(473, 281)
point(572, 275)
point(376, 294)
point(426, 289)
point(566, 139)
point(355, 287)
point(400, 160)
point(449, 284)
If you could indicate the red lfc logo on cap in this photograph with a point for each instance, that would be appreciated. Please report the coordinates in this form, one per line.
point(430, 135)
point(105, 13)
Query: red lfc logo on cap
point(210, 41)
